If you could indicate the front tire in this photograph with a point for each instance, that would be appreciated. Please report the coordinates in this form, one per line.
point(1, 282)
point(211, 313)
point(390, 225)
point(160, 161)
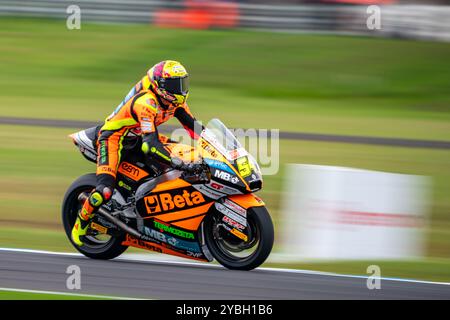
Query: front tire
point(227, 249)
point(91, 248)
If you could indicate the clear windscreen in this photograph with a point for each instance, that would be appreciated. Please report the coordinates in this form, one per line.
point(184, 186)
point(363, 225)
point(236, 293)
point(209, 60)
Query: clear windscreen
point(225, 142)
point(219, 135)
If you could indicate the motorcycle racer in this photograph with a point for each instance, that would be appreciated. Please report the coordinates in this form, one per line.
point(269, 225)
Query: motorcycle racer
point(159, 96)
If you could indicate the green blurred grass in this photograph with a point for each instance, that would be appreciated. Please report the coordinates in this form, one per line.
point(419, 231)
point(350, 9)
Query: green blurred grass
point(12, 295)
point(323, 84)
point(334, 85)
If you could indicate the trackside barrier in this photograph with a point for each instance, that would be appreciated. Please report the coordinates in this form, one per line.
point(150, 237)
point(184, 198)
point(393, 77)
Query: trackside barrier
point(344, 213)
point(404, 21)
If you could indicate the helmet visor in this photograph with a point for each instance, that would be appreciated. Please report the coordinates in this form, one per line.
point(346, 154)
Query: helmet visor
point(176, 85)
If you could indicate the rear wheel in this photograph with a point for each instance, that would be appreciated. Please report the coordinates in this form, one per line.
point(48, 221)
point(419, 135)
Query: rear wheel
point(234, 253)
point(96, 245)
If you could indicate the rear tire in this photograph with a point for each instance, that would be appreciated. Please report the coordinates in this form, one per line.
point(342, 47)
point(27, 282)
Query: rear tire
point(70, 207)
point(260, 231)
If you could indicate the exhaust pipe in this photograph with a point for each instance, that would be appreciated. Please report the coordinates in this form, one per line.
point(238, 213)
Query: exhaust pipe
point(104, 213)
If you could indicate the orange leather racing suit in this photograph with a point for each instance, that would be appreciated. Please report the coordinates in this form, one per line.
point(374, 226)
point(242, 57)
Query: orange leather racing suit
point(141, 113)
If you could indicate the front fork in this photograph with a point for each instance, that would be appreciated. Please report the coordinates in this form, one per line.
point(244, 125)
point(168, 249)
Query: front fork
point(231, 222)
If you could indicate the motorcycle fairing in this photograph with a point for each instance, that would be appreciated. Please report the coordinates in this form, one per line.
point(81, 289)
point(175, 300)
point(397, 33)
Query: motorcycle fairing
point(172, 209)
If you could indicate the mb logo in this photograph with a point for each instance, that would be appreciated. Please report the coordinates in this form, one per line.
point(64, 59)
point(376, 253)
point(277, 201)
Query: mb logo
point(152, 204)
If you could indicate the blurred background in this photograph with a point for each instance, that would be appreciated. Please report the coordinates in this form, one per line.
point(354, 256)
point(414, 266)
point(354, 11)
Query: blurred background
point(340, 94)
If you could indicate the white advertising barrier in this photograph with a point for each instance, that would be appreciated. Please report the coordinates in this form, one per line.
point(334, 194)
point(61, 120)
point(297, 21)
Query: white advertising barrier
point(346, 213)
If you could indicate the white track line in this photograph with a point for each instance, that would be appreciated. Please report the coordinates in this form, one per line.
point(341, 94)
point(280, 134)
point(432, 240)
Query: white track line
point(67, 294)
point(42, 252)
point(146, 258)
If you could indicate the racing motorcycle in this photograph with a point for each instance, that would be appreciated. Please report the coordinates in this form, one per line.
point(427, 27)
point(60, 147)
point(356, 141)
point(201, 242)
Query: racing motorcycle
point(205, 215)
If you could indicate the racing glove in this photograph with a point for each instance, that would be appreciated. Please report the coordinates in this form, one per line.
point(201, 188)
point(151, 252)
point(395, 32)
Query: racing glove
point(190, 167)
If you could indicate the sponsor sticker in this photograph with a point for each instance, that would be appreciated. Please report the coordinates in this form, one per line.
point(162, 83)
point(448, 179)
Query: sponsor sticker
point(165, 201)
point(236, 153)
point(239, 234)
point(178, 243)
point(235, 207)
point(103, 153)
point(99, 228)
point(243, 167)
point(218, 165)
point(223, 188)
point(208, 148)
point(227, 212)
point(210, 138)
point(141, 244)
point(194, 254)
point(124, 185)
point(175, 231)
point(216, 186)
point(132, 171)
point(233, 223)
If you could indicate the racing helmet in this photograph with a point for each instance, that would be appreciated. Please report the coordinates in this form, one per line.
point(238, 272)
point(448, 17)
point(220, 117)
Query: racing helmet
point(169, 80)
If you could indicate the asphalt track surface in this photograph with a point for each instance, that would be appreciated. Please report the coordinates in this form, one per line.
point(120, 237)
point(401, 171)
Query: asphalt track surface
point(182, 281)
point(394, 142)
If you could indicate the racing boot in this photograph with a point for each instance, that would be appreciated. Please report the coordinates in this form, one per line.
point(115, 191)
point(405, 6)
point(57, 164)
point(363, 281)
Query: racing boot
point(85, 216)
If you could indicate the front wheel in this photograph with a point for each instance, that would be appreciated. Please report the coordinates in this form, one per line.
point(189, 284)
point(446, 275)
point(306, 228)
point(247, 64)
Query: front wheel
point(234, 253)
point(96, 246)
